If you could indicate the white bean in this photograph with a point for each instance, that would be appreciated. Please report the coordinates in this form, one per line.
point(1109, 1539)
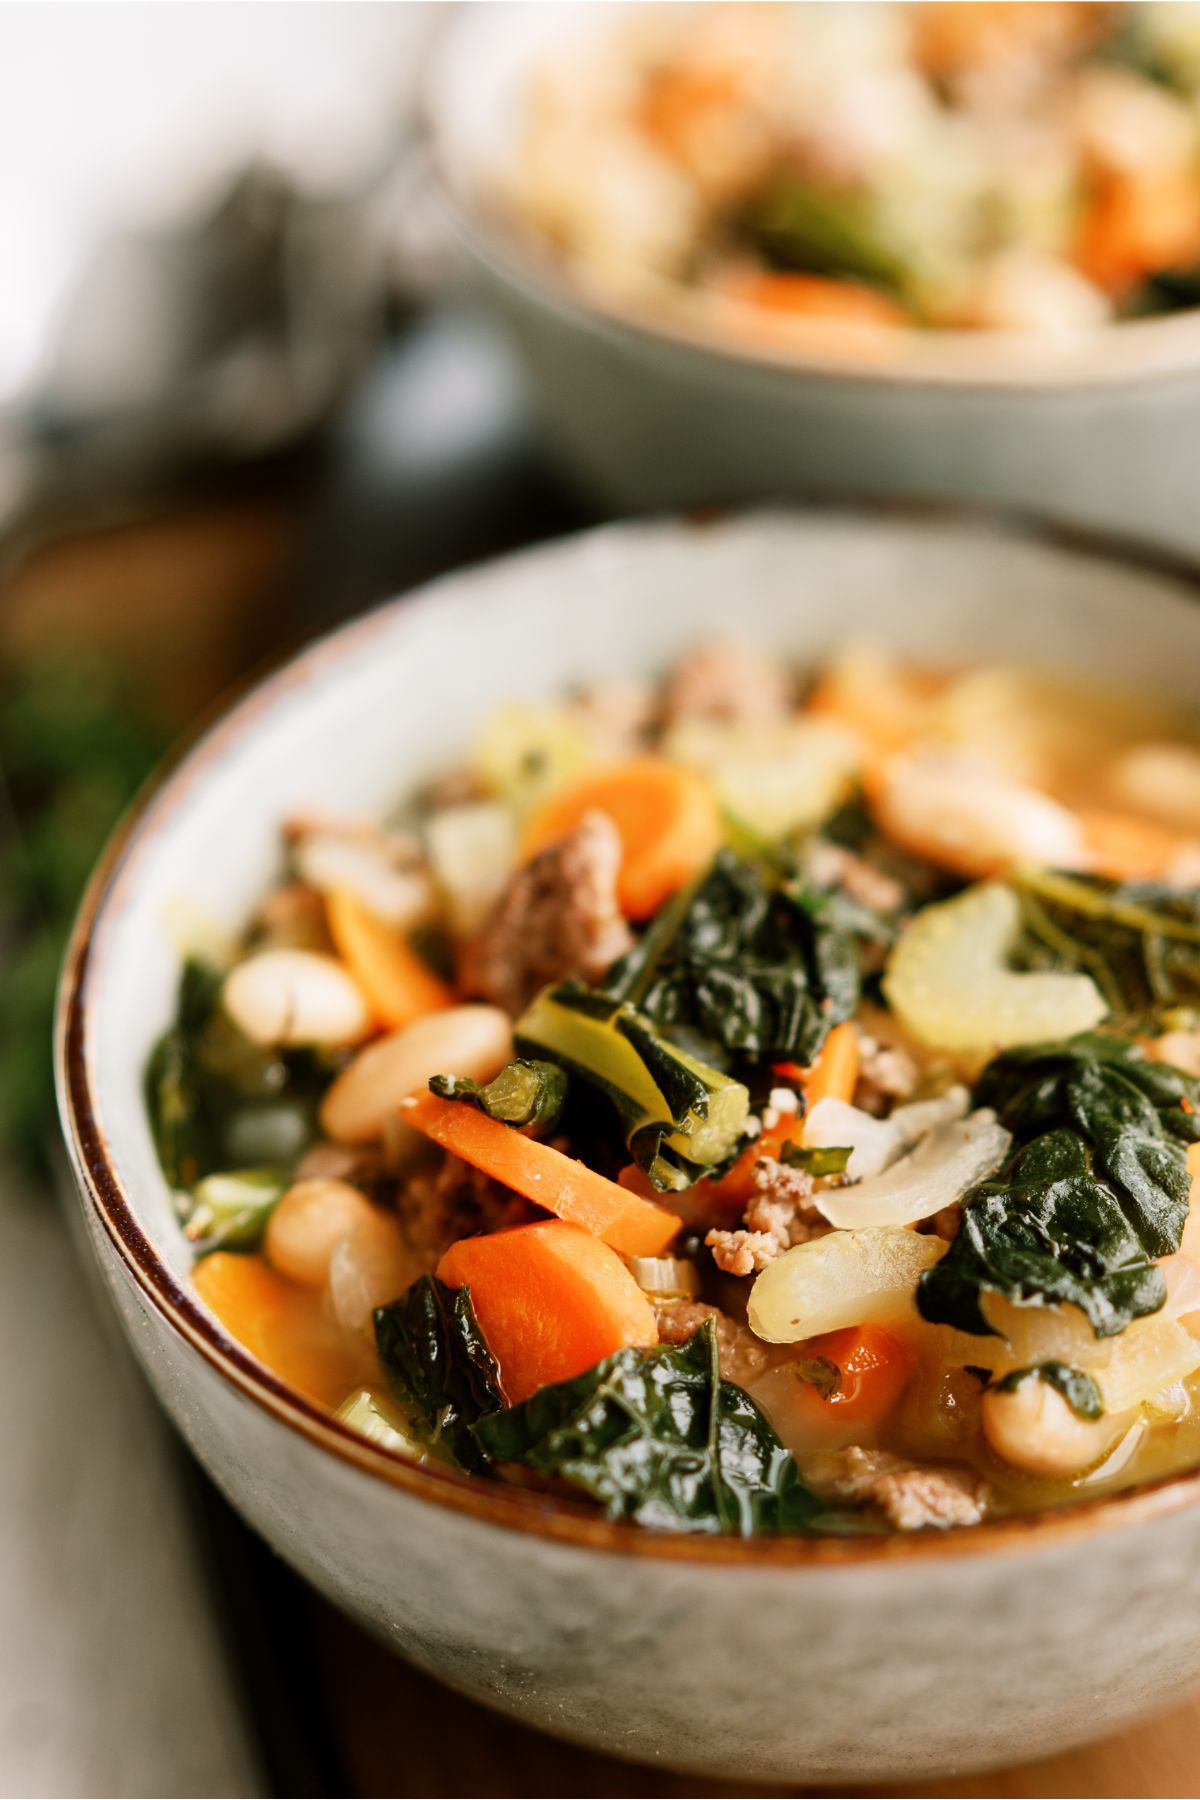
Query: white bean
point(309, 1223)
point(976, 814)
point(289, 997)
point(1033, 1428)
point(368, 1268)
point(461, 1040)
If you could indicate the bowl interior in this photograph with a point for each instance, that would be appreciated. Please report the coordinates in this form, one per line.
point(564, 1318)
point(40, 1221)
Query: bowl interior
point(371, 711)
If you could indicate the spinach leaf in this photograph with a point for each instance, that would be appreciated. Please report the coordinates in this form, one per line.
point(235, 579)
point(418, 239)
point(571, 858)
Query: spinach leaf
point(439, 1367)
point(1076, 1386)
point(1139, 941)
point(656, 1436)
point(758, 966)
point(529, 1096)
point(1095, 1190)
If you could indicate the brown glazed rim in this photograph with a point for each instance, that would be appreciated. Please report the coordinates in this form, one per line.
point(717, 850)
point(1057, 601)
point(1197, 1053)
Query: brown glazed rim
point(492, 1503)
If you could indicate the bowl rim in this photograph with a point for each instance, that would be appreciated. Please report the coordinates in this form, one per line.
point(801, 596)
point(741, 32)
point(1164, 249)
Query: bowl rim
point(101, 1192)
point(1122, 352)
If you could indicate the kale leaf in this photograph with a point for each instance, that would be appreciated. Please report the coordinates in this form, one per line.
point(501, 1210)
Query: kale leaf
point(658, 1437)
point(1139, 941)
point(1095, 1190)
point(438, 1367)
point(527, 1095)
point(758, 966)
point(1076, 1386)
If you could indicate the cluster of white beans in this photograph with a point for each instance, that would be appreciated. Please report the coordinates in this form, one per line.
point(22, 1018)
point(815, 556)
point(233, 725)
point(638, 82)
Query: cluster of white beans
point(324, 1232)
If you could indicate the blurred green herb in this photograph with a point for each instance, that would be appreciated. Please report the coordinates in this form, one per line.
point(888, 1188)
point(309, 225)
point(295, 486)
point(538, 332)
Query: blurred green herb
point(74, 748)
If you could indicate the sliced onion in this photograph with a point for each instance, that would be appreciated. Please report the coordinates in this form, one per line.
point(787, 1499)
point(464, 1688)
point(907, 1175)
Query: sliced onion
point(948, 1161)
point(876, 1143)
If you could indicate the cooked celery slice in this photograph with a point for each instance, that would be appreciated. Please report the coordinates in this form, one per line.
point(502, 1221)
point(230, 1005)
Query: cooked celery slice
point(373, 1418)
point(230, 1211)
point(774, 778)
point(949, 982)
point(525, 752)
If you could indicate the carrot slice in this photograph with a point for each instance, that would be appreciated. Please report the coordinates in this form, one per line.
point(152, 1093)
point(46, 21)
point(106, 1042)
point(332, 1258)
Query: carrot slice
point(399, 987)
point(816, 297)
point(1126, 847)
point(551, 1301)
point(634, 1226)
point(666, 817)
point(282, 1324)
point(874, 1367)
point(834, 1075)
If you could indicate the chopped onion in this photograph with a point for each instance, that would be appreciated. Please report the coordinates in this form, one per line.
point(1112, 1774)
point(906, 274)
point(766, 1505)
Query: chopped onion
point(665, 1275)
point(472, 849)
point(386, 874)
point(948, 1161)
point(373, 1418)
point(876, 1143)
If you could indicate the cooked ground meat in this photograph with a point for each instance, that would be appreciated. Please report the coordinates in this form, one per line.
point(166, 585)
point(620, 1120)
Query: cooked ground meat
point(557, 917)
point(728, 681)
point(887, 1075)
point(453, 1200)
point(911, 1496)
point(779, 1214)
point(740, 1355)
point(913, 1499)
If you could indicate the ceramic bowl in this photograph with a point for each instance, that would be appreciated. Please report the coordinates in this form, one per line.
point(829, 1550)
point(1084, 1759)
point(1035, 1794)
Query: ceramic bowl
point(812, 1661)
point(649, 410)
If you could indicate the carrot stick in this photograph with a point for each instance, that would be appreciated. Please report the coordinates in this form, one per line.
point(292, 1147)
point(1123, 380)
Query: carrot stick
point(834, 1075)
point(551, 1301)
point(634, 1226)
point(282, 1324)
point(665, 815)
point(398, 986)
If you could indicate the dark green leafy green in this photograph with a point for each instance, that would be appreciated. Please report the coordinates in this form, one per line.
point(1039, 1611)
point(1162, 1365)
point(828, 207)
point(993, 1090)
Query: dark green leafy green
point(757, 965)
point(1076, 1386)
point(815, 1160)
point(439, 1368)
point(219, 1102)
point(1095, 1190)
point(658, 1437)
point(1139, 941)
point(679, 1118)
point(529, 1096)
point(800, 225)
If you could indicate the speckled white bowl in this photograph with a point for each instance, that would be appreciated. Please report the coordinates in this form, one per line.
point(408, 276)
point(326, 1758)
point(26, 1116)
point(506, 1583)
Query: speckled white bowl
point(650, 408)
point(798, 1661)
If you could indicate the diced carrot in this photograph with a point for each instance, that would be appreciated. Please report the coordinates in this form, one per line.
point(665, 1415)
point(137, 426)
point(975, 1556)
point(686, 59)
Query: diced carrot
point(398, 985)
point(551, 1301)
point(1126, 847)
point(834, 1075)
point(816, 297)
point(680, 103)
point(875, 1368)
point(281, 1323)
point(634, 1226)
point(666, 817)
point(1136, 223)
